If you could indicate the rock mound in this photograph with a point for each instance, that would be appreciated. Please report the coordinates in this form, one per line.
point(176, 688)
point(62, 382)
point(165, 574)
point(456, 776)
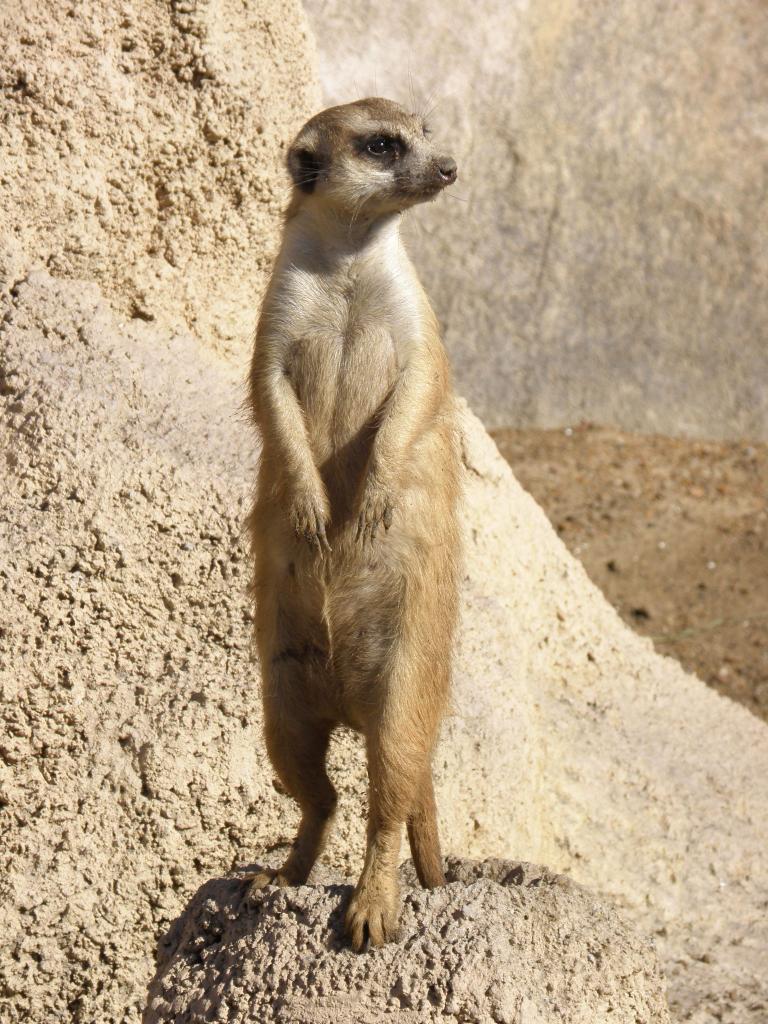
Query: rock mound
point(142, 146)
point(503, 941)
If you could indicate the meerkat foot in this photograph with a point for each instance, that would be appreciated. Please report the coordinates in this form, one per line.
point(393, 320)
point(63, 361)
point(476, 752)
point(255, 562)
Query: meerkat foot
point(373, 915)
point(259, 880)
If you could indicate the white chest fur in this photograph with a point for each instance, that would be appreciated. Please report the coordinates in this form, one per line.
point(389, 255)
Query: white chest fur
point(345, 315)
point(347, 290)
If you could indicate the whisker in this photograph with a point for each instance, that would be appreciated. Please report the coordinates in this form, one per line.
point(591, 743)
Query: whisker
point(428, 99)
point(433, 108)
point(356, 212)
point(410, 87)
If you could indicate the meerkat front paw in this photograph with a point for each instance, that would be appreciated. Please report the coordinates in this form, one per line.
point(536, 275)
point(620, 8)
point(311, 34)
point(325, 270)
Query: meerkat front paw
point(373, 914)
point(309, 519)
point(376, 509)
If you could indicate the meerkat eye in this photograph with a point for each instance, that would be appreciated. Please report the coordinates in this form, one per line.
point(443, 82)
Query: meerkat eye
point(427, 130)
point(384, 145)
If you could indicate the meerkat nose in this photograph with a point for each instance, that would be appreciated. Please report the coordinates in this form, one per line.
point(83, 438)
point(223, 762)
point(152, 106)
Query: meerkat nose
point(447, 169)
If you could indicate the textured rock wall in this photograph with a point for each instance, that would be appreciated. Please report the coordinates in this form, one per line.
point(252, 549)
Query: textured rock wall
point(141, 147)
point(131, 762)
point(608, 261)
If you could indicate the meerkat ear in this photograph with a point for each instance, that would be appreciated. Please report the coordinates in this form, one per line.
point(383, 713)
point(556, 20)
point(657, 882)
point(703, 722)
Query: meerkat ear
point(305, 165)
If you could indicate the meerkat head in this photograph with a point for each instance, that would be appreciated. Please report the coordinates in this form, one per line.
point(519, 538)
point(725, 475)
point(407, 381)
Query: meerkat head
point(367, 159)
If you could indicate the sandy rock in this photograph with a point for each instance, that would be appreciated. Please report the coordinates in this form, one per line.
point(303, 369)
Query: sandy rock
point(131, 762)
point(503, 942)
point(142, 146)
point(129, 749)
point(607, 262)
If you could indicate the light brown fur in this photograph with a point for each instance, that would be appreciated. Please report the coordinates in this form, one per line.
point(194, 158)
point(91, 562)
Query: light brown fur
point(354, 528)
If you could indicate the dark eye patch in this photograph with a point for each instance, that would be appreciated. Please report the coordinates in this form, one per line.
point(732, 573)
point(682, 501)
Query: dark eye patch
point(382, 147)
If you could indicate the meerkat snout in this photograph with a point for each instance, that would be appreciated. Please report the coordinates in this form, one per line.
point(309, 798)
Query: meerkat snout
point(447, 169)
point(367, 158)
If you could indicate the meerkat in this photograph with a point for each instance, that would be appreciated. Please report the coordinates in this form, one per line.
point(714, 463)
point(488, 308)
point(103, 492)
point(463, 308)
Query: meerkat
point(354, 527)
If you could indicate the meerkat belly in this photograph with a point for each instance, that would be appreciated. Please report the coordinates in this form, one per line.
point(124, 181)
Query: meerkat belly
point(342, 381)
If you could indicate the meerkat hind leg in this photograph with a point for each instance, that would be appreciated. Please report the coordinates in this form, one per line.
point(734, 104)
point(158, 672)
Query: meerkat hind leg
point(297, 748)
point(373, 912)
point(395, 790)
point(400, 736)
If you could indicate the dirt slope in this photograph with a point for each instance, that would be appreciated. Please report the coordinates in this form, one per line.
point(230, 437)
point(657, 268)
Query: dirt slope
point(133, 767)
point(675, 534)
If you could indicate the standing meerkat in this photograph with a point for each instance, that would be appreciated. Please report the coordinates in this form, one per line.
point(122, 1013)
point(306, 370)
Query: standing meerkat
point(354, 529)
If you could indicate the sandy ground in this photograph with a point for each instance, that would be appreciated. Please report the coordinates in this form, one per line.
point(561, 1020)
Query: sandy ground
point(675, 534)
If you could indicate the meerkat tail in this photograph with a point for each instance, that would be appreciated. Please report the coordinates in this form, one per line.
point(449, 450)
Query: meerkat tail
point(423, 836)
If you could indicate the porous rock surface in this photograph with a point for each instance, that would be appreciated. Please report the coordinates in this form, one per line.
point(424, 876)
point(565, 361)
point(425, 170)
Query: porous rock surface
point(132, 766)
point(605, 260)
point(504, 942)
point(141, 142)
